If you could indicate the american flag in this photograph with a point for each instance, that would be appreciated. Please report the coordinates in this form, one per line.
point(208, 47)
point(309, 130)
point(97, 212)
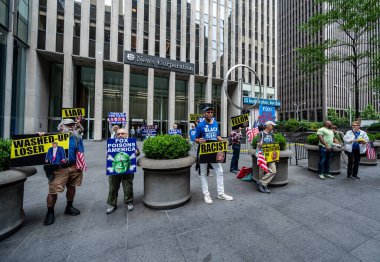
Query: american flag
point(371, 151)
point(251, 133)
point(80, 163)
point(261, 162)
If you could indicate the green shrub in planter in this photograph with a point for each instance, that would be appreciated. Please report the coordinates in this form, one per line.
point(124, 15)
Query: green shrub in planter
point(377, 136)
point(371, 137)
point(374, 127)
point(313, 139)
point(278, 138)
point(5, 153)
point(166, 147)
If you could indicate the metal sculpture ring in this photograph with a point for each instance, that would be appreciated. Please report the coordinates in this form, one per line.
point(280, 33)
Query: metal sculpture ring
point(225, 85)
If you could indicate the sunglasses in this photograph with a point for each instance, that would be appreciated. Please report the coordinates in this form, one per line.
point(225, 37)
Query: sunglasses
point(121, 133)
point(354, 125)
point(209, 112)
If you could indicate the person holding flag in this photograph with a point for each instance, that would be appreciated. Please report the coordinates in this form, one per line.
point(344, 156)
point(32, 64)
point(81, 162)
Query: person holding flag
point(267, 171)
point(208, 130)
point(251, 133)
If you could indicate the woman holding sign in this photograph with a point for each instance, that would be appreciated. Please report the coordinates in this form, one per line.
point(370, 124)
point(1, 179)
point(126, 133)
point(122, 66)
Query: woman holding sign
point(208, 130)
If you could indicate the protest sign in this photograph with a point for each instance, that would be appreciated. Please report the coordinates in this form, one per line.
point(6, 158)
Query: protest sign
point(30, 150)
point(266, 113)
point(73, 112)
point(194, 117)
point(121, 156)
point(271, 152)
point(116, 118)
point(213, 152)
point(148, 130)
point(175, 131)
point(238, 121)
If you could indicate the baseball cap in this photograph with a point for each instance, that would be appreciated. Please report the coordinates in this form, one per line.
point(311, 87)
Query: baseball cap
point(208, 108)
point(270, 123)
point(68, 121)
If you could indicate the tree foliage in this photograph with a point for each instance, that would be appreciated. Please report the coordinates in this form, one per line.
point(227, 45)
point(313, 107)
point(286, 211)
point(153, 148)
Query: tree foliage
point(369, 113)
point(357, 44)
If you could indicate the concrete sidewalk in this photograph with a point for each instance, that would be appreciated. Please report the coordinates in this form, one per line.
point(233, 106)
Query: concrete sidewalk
point(307, 220)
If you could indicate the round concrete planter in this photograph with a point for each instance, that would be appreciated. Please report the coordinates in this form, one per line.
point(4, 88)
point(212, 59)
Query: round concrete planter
point(378, 149)
point(166, 182)
point(370, 162)
point(313, 159)
point(12, 198)
point(281, 177)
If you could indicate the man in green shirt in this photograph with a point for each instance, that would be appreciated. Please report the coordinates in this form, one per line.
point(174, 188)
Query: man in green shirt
point(326, 140)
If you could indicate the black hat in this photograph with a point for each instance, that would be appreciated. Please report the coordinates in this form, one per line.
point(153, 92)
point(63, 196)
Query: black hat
point(208, 108)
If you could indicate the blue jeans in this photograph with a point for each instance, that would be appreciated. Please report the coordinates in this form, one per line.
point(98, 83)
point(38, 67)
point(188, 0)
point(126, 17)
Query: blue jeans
point(235, 157)
point(324, 160)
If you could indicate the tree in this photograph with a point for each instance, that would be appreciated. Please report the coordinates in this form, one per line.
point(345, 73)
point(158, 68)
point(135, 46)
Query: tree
point(370, 113)
point(358, 21)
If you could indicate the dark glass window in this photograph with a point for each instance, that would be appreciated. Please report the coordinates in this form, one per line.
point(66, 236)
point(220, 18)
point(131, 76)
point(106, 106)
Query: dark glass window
point(4, 11)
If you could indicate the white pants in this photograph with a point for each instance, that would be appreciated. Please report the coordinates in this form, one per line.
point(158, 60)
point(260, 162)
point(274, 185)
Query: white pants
point(219, 178)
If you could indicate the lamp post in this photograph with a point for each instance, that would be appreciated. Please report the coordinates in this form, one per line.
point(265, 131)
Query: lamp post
point(298, 107)
point(349, 100)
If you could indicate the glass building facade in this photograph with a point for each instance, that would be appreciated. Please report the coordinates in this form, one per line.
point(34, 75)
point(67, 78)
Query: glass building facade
point(77, 48)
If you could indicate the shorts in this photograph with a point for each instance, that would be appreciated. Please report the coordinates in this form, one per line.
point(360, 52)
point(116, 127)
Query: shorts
point(69, 176)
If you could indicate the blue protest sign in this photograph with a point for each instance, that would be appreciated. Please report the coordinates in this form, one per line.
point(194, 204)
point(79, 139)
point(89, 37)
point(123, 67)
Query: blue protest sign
point(121, 156)
point(175, 132)
point(116, 118)
point(267, 113)
point(148, 130)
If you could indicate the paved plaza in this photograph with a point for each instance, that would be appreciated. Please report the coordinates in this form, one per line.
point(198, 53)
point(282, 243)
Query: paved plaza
point(307, 220)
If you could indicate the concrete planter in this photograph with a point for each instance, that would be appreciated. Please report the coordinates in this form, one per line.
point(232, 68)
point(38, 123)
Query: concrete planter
point(281, 177)
point(313, 159)
point(378, 149)
point(166, 182)
point(371, 162)
point(12, 199)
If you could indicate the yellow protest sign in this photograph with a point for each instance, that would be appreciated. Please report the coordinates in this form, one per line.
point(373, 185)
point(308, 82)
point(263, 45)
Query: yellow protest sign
point(194, 117)
point(37, 145)
point(73, 112)
point(271, 152)
point(238, 120)
point(213, 147)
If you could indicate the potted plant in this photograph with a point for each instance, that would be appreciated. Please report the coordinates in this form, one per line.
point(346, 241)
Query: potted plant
point(281, 177)
point(11, 191)
point(364, 159)
point(313, 155)
point(166, 166)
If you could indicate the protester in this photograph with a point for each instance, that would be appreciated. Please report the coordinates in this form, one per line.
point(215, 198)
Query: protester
point(192, 136)
point(68, 174)
point(337, 134)
point(326, 140)
point(355, 145)
point(266, 137)
point(79, 129)
point(113, 129)
point(126, 180)
point(236, 140)
point(208, 130)
point(138, 133)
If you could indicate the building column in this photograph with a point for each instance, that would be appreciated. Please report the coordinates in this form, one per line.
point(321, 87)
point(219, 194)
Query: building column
point(190, 95)
point(114, 30)
point(8, 83)
point(36, 105)
point(171, 100)
point(51, 25)
point(84, 27)
point(150, 98)
point(68, 66)
point(223, 115)
point(126, 88)
point(99, 50)
point(191, 84)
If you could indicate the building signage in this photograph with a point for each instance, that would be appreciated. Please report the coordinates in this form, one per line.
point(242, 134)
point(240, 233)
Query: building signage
point(133, 58)
point(262, 101)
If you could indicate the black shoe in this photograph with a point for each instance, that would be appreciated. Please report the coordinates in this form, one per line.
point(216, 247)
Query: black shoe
point(233, 171)
point(262, 188)
point(267, 190)
point(237, 170)
point(72, 211)
point(349, 178)
point(49, 219)
point(356, 177)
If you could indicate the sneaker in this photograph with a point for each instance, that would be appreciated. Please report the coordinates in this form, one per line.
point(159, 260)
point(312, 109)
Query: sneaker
point(130, 206)
point(210, 175)
point(110, 209)
point(72, 211)
point(267, 190)
point(208, 199)
point(233, 171)
point(349, 178)
point(49, 219)
point(321, 176)
point(355, 178)
point(224, 196)
point(330, 176)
